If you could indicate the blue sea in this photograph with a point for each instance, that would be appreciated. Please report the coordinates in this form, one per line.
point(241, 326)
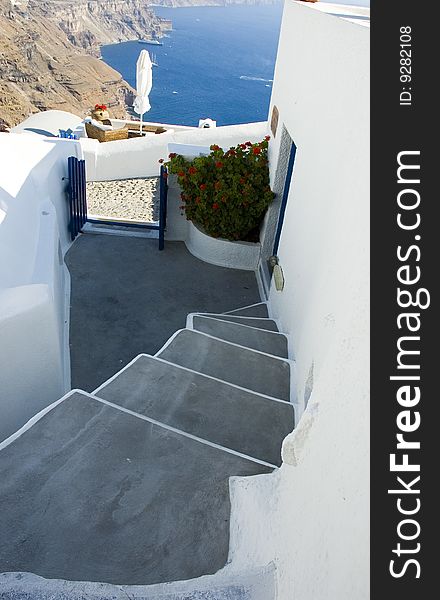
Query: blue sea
point(218, 62)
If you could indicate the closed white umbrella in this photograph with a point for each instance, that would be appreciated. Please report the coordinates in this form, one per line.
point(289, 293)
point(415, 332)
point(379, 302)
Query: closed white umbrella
point(144, 83)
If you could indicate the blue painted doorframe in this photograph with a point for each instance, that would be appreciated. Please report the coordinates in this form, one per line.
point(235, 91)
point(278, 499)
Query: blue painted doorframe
point(284, 198)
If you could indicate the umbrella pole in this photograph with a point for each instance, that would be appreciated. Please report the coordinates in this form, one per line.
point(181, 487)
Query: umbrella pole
point(140, 129)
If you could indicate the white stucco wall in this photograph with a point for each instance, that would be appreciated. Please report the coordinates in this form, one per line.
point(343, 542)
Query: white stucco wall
point(138, 157)
point(312, 516)
point(50, 121)
point(34, 282)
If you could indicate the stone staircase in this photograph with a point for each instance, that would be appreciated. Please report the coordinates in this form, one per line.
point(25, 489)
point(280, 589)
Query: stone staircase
point(129, 486)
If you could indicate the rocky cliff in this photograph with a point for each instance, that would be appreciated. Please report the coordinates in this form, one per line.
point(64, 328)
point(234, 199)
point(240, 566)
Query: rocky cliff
point(178, 3)
point(49, 54)
point(91, 23)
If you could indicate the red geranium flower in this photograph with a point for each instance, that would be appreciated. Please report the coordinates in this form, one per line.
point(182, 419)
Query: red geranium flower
point(215, 206)
point(192, 170)
point(267, 138)
point(215, 147)
point(248, 143)
point(181, 174)
point(172, 155)
point(256, 150)
point(243, 146)
point(219, 165)
point(203, 186)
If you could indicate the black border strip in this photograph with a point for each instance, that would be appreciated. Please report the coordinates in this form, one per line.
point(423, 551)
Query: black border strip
point(400, 125)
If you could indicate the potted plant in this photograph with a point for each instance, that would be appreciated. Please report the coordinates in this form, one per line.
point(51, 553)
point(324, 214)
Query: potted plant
point(100, 113)
point(227, 192)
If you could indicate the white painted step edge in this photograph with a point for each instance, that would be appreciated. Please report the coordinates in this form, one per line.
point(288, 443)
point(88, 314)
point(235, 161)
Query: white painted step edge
point(299, 408)
point(190, 436)
point(116, 230)
point(194, 438)
point(218, 316)
point(190, 323)
point(176, 333)
point(231, 312)
point(168, 362)
point(233, 316)
point(252, 584)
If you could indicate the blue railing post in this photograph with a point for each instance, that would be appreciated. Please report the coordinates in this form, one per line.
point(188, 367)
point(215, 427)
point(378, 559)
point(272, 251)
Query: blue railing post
point(82, 194)
point(77, 195)
point(163, 198)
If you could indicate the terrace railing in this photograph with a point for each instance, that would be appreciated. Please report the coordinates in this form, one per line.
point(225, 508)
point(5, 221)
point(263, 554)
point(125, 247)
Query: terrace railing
point(77, 193)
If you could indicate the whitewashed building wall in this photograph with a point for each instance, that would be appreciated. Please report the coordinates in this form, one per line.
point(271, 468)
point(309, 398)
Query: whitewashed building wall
point(312, 517)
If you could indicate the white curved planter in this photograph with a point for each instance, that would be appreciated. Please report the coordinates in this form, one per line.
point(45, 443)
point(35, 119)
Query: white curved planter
point(220, 252)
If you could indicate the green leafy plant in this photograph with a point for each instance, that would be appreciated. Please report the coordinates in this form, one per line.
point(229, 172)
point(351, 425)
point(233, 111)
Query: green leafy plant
point(227, 193)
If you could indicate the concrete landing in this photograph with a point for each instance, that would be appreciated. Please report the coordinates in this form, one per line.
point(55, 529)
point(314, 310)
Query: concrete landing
point(244, 367)
point(128, 298)
point(256, 310)
point(257, 339)
point(215, 411)
point(91, 493)
point(260, 323)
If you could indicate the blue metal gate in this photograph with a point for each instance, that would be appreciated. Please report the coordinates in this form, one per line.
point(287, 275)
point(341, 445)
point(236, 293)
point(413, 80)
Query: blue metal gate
point(77, 195)
point(78, 203)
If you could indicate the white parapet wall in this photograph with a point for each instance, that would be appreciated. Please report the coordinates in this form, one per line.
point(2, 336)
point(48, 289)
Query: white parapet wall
point(312, 516)
point(139, 157)
point(220, 252)
point(34, 281)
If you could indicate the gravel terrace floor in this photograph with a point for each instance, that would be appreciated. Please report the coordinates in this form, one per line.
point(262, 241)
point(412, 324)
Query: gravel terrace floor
point(126, 199)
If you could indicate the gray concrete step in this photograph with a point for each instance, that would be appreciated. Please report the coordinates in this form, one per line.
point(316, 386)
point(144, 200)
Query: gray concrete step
point(229, 362)
point(250, 337)
point(254, 310)
point(210, 409)
point(258, 584)
point(259, 322)
point(91, 492)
